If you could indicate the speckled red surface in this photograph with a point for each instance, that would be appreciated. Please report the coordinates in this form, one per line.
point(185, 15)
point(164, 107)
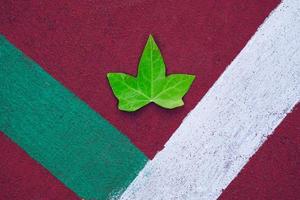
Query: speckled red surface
point(79, 42)
point(22, 178)
point(273, 173)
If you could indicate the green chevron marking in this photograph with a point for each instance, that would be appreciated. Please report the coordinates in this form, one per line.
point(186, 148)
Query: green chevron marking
point(61, 132)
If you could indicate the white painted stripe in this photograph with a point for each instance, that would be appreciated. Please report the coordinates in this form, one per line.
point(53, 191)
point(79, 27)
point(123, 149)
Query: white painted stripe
point(234, 118)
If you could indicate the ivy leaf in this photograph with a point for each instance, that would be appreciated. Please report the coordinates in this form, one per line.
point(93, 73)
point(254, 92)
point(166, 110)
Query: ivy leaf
point(151, 83)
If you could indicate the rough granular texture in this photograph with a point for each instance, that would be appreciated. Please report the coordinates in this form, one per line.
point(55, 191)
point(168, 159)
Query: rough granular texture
point(79, 43)
point(273, 173)
point(21, 177)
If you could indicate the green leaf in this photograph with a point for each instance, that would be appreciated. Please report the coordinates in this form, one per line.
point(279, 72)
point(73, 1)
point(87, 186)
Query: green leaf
point(151, 83)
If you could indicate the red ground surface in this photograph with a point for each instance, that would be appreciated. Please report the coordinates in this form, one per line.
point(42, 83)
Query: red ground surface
point(22, 178)
point(273, 173)
point(79, 42)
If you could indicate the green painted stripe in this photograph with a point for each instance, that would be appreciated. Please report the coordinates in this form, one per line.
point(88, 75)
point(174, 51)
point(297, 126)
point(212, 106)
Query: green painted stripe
point(61, 132)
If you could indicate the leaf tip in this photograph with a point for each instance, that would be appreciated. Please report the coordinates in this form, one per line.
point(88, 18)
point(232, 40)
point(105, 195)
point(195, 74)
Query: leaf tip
point(190, 77)
point(151, 38)
point(193, 77)
point(108, 75)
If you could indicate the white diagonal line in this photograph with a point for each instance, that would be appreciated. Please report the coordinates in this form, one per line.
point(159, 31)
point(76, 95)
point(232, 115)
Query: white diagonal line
point(234, 118)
